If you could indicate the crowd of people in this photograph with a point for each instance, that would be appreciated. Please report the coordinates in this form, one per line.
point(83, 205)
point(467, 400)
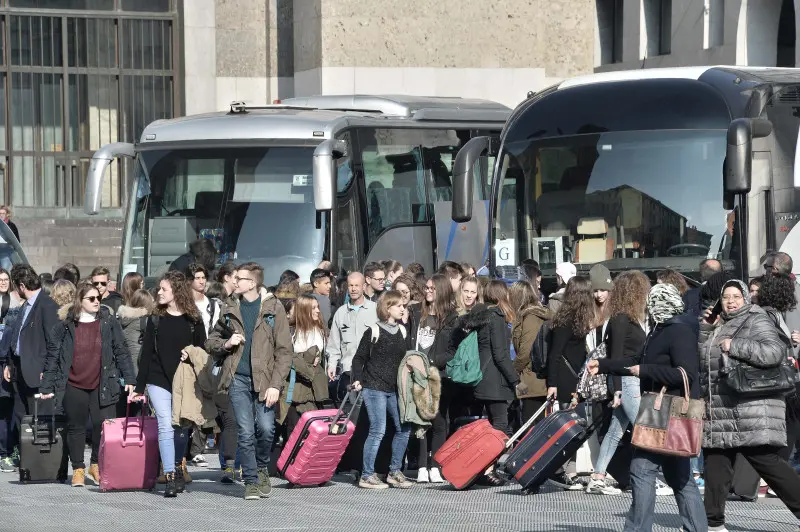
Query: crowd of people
point(278, 351)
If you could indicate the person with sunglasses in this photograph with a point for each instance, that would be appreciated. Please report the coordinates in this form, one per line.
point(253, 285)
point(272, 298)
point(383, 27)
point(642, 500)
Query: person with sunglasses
point(86, 357)
point(100, 280)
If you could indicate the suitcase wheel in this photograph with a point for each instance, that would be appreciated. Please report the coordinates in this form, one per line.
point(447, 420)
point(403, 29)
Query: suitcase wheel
point(321, 485)
point(289, 486)
point(24, 475)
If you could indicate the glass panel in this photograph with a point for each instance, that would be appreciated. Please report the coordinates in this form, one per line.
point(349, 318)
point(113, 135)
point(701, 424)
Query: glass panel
point(93, 112)
point(35, 41)
point(146, 44)
point(155, 6)
point(146, 99)
point(624, 195)
point(92, 43)
point(64, 4)
point(22, 187)
point(2, 114)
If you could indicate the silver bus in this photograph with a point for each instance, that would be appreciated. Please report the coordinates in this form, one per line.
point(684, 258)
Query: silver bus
point(351, 179)
point(647, 169)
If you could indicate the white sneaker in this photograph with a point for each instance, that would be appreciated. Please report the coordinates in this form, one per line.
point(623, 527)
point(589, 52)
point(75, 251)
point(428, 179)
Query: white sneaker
point(435, 476)
point(422, 476)
point(598, 486)
point(199, 461)
point(662, 489)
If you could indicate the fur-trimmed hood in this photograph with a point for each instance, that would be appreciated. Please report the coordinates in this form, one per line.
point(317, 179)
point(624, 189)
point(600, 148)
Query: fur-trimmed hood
point(126, 312)
point(65, 312)
point(479, 318)
point(419, 388)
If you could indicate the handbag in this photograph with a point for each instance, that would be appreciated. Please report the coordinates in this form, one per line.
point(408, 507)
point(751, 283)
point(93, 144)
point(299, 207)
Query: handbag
point(671, 425)
point(594, 387)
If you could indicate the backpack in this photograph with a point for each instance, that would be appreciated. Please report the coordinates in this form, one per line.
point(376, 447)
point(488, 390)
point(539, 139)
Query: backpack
point(465, 366)
point(540, 348)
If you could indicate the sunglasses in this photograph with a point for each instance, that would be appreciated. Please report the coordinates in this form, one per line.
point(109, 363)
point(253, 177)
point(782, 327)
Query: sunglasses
point(92, 299)
point(100, 283)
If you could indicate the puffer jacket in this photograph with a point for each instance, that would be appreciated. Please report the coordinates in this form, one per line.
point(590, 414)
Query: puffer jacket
point(523, 336)
point(732, 421)
point(271, 351)
point(115, 364)
point(193, 388)
point(310, 384)
point(130, 318)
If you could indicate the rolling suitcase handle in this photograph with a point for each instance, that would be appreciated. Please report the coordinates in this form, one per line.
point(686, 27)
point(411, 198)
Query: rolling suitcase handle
point(51, 434)
point(527, 425)
point(338, 427)
point(141, 423)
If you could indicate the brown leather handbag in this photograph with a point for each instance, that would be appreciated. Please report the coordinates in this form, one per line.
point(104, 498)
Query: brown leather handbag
point(670, 425)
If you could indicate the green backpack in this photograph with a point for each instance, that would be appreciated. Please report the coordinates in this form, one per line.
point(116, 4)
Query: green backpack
point(465, 366)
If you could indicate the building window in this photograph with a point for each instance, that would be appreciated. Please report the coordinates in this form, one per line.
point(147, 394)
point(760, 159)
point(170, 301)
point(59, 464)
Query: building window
point(609, 25)
point(657, 15)
point(713, 23)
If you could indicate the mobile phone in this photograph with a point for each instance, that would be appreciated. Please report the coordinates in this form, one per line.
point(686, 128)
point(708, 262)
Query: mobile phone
point(715, 312)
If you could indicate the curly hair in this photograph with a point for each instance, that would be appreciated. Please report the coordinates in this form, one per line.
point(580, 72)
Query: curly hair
point(182, 294)
point(629, 296)
point(777, 291)
point(577, 311)
point(413, 287)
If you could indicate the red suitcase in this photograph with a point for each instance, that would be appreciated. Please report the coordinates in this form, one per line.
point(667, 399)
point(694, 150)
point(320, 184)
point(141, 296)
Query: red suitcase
point(317, 444)
point(469, 452)
point(128, 456)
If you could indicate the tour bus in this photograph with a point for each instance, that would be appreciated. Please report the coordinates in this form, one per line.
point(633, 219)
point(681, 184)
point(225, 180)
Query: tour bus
point(351, 179)
point(645, 169)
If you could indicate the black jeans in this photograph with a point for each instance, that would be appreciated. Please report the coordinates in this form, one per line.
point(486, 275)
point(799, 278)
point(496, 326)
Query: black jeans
point(792, 437)
point(498, 414)
point(227, 425)
point(77, 403)
point(780, 476)
point(529, 407)
point(451, 406)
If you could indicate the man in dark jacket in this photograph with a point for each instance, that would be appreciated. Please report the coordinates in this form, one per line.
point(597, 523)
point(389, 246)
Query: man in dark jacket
point(692, 296)
point(24, 359)
point(109, 299)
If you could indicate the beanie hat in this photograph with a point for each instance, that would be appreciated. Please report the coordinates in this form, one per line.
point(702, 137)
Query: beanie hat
point(600, 277)
point(566, 270)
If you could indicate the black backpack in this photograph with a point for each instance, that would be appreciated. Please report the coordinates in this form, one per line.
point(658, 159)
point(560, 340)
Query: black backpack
point(540, 348)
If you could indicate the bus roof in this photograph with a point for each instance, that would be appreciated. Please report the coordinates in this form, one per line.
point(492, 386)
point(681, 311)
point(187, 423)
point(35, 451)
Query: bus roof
point(766, 74)
point(320, 117)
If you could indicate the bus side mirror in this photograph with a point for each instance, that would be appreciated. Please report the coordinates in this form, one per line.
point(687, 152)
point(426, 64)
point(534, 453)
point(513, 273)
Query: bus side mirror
point(739, 153)
point(94, 179)
point(463, 177)
point(324, 169)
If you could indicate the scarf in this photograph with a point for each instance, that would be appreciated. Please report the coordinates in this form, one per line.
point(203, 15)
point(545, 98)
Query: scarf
point(664, 303)
point(743, 288)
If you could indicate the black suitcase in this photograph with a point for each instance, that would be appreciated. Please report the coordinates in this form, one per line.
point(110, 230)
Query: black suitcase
point(353, 457)
point(745, 479)
point(42, 447)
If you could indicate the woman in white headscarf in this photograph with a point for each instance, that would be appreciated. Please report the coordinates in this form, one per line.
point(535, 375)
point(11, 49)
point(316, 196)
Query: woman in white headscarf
point(671, 344)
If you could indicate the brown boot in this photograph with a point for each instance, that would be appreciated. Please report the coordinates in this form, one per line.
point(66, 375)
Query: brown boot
point(79, 478)
point(187, 478)
point(162, 478)
point(94, 473)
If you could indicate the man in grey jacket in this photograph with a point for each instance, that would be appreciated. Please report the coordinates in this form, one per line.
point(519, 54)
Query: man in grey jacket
point(350, 322)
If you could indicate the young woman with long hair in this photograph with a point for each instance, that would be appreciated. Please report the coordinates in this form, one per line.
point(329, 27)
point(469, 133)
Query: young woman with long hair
point(10, 305)
point(86, 358)
point(179, 325)
point(530, 315)
point(132, 282)
point(409, 289)
point(567, 353)
point(626, 334)
point(310, 386)
point(469, 294)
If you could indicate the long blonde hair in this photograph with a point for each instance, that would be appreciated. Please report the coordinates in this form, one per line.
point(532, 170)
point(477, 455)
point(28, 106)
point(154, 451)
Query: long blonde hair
point(304, 324)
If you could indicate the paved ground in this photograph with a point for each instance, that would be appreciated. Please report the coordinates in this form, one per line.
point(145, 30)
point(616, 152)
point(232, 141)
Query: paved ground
point(210, 506)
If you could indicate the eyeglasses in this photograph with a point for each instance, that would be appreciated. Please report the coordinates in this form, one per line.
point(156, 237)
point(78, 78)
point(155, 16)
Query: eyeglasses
point(430, 289)
point(237, 279)
point(100, 283)
point(402, 292)
point(379, 279)
point(92, 299)
point(735, 297)
point(4, 279)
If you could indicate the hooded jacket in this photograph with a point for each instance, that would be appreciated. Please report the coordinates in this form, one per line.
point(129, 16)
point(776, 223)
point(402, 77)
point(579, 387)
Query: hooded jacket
point(499, 377)
point(310, 385)
point(271, 351)
point(732, 421)
point(523, 336)
point(193, 388)
point(115, 364)
point(130, 319)
point(418, 390)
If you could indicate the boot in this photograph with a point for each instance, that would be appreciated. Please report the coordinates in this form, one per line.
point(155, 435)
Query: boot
point(180, 480)
point(171, 489)
point(187, 478)
point(94, 473)
point(162, 478)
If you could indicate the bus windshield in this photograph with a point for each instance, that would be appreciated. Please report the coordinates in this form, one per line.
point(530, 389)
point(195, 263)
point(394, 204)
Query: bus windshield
point(627, 199)
point(246, 200)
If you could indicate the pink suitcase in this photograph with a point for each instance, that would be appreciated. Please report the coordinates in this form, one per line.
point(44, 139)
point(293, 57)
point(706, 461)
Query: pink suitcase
point(317, 444)
point(128, 456)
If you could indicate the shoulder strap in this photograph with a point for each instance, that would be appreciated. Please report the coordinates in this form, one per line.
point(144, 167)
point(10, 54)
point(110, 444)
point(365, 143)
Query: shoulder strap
point(402, 331)
point(375, 332)
point(5, 304)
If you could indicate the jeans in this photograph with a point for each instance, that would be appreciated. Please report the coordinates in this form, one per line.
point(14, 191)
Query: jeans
point(228, 431)
point(7, 433)
point(697, 464)
point(624, 415)
point(677, 473)
point(77, 403)
point(171, 443)
point(254, 446)
point(765, 460)
point(378, 404)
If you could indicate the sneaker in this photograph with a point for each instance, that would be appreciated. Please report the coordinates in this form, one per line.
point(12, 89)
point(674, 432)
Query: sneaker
point(662, 489)
point(770, 493)
point(199, 461)
point(251, 492)
point(372, 482)
point(422, 476)
point(228, 476)
point(598, 486)
point(264, 484)
point(398, 480)
point(94, 473)
point(7, 465)
point(435, 476)
point(565, 482)
point(720, 528)
point(79, 478)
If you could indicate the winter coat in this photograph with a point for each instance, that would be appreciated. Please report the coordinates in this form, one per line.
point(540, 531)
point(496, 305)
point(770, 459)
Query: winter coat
point(418, 391)
point(130, 318)
point(310, 384)
point(556, 300)
point(115, 364)
point(112, 301)
point(271, 351)
point(193, 389)
point(625, 339)
point(347, 329)
point(494, 342)
point(732, 421)
point(563, 374)
point(523, 336)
